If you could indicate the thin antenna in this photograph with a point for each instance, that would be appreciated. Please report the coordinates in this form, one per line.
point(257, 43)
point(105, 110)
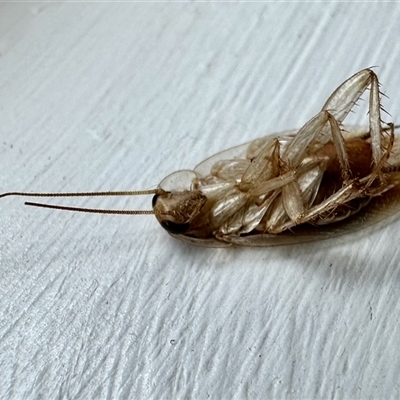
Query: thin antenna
point(90, 210)
point(87, 194)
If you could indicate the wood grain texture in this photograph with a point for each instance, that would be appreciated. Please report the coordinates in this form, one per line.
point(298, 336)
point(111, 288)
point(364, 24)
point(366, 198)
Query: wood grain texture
point(114, 96)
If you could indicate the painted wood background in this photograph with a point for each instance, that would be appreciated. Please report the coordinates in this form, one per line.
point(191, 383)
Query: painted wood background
point(109, 96)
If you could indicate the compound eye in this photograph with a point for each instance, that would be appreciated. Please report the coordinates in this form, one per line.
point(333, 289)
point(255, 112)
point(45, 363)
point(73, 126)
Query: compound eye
point(154, 200)
point(172, 227)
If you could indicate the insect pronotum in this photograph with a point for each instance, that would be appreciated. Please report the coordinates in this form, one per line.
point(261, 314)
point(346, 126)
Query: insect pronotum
point(317, 182)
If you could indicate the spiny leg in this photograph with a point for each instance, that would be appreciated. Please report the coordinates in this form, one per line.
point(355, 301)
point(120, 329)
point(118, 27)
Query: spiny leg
point(356, 189)
point(381, 139)
point(339, 105)
point(343, 99)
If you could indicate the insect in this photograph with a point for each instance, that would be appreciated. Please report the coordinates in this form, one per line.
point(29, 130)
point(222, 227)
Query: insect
point(317, 182)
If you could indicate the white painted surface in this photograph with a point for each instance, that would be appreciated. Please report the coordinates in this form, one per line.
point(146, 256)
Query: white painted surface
point(116, 96)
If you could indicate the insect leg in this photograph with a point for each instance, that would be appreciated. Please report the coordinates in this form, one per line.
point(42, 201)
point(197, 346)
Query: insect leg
point(342, 196)
point(342, 100)
point(340, 147)
point(381, 139)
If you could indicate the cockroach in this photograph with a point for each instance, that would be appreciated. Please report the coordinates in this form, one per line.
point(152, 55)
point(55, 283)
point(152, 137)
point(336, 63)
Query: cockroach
point(320, 181)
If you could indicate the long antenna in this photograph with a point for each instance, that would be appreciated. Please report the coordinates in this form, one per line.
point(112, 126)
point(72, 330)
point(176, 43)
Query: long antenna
point(87, 194)
point(84, 194)
point(90, 210)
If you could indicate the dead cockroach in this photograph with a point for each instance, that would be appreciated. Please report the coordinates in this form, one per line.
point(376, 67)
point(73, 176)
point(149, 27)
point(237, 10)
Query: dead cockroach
point(323, 180)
